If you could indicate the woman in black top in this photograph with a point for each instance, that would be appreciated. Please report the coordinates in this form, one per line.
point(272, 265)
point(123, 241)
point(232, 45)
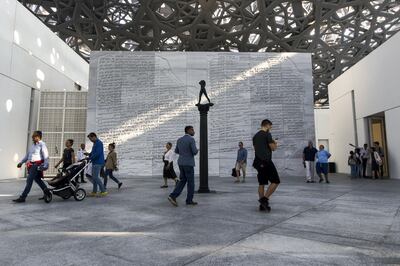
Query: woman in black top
point(68, 157)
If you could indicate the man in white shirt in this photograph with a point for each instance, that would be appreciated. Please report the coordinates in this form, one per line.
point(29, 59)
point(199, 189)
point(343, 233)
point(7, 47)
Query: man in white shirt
point(81, 155)
point(37, 161)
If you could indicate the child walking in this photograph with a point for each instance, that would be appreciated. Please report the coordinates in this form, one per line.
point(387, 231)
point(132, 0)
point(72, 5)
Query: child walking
point(352, 162)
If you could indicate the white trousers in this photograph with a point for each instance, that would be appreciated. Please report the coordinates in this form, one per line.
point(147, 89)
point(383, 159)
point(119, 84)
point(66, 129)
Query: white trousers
point(310, 170)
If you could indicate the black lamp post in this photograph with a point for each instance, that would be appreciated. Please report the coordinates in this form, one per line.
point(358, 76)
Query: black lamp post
point(203, 109)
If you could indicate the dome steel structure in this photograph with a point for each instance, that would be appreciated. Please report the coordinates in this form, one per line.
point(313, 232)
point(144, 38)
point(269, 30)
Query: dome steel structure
point(338, 33)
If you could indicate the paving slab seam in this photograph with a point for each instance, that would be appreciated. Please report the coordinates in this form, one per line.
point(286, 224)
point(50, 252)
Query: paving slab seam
point(268, 226)
point(397, 212)
point(339, 236)
point(118, 257)
point(283, 254)
point(239, 240)
point(235, 221)
point(2, 221)
point(22, 230)
point(21, 227)
point(181, 243)
point(321, 241)
point(169, 222)
point(258, 249)
point(388, 230)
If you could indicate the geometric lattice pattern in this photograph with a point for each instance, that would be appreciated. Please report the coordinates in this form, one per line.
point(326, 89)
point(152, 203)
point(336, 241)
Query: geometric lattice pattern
point(62, 116)
point(337, 32)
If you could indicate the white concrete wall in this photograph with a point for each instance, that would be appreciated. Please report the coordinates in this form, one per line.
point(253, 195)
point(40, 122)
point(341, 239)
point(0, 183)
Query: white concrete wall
point(375, 81)
point(31, 56)
point(322, 130)
point(341, 127)
point(393, 139)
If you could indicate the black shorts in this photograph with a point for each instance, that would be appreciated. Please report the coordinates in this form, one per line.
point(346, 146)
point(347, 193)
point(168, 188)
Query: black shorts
point(267, 172)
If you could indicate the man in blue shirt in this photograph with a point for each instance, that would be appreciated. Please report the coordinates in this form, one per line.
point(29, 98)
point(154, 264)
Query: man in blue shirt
point(322, 163)
point(37, 161)
point(96, 156)
point(241, 162)
point(186, 148)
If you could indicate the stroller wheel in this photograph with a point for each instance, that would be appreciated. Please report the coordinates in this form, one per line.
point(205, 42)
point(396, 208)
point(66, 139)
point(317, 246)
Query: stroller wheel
point(48, 197)
point(80, 194)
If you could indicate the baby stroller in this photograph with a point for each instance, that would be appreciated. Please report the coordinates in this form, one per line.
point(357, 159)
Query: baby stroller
point(64, 184)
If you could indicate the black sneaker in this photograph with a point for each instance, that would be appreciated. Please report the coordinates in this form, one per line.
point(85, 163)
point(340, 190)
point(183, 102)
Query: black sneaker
point(191, 203)
point(19, 200)
point(47, 192)
point(308, 181)
point(173, 201)
point(261, 208)
point(164, 186)
point(327, 181)
point(320, 180)
point(264, 202)
point(119, 185)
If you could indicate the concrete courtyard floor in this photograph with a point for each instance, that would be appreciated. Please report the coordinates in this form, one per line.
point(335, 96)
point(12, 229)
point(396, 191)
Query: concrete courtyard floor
point(347, 222)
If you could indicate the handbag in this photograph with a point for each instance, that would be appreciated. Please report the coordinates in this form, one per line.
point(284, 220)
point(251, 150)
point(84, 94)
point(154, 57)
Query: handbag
point(378, 158)
point(234, 174)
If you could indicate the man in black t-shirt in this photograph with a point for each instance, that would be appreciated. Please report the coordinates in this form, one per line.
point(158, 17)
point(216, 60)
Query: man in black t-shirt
point(264, 144)
point(308, 160)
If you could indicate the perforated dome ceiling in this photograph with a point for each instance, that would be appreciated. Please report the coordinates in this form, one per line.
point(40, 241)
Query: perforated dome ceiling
point(338, 33)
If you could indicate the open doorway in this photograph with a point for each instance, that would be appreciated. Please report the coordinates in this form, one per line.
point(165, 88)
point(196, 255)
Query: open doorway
point(377, 133)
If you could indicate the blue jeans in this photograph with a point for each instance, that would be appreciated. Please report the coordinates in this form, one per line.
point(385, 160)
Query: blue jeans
point(322, 168)
point(358, 170)
point(353, 170)
point(96, 168)
point(186, 175)
point(33, 174)
point(109, 173)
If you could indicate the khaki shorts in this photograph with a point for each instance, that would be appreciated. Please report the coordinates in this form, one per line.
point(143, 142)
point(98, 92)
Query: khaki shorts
point(240, 166)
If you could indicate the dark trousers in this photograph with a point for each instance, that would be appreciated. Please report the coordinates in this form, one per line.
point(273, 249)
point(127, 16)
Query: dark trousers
point(82, 174)
point(186, 175)
point(33, 175)
point(364, 166)
point(109, 173)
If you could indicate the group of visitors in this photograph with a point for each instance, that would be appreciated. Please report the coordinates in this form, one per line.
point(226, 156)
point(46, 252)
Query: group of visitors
point(318, 160)
point(263, 144)
point(361, 160)
point(37, 161)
